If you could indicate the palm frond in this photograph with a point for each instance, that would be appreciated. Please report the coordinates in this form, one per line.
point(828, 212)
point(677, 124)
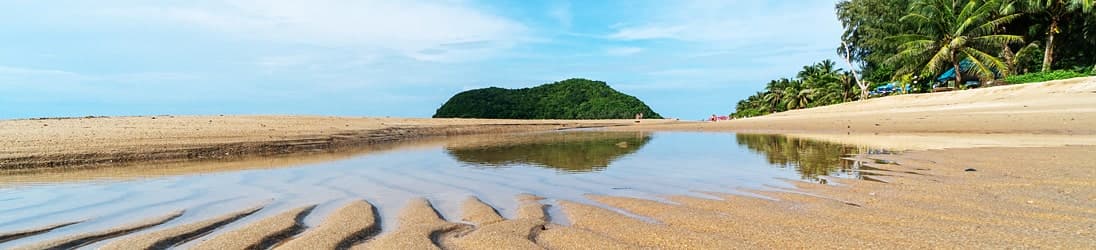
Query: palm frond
point(996, 40)
point(991, 26)
point(939, 60)
point(985, 65)
point(1028, 50)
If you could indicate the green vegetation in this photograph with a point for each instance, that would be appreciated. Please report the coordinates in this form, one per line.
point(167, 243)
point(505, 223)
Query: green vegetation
point(985, 32)
point(912, 42)
point(815, 85)
point(568, 99)
point(1045, 76)
point(583, 152)
point(951, 32)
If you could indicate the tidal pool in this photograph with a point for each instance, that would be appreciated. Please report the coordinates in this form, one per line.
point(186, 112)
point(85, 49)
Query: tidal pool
point(556, 165)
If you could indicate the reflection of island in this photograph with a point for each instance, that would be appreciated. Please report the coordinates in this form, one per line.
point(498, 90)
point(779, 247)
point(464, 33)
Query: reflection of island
point(568, 152)
point(810, 158)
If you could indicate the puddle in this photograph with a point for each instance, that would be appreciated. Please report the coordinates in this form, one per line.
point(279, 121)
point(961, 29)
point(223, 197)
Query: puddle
point(558, 166)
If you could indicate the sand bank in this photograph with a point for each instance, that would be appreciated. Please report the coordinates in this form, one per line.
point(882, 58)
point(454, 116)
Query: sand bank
point(110, 141)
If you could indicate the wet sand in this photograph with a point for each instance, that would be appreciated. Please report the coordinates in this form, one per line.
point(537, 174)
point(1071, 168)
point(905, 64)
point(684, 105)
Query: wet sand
point(1005, 167)
point(1014, 198)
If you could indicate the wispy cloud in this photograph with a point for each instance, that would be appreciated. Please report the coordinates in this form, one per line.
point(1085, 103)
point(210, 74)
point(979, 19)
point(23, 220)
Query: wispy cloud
point(623, 51)
point(417, 29)
point(650, 31)
point(561, 12)
point(382, 57)
point(734, 22)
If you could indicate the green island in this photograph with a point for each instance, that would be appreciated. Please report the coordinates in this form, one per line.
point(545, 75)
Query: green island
point(568, 99)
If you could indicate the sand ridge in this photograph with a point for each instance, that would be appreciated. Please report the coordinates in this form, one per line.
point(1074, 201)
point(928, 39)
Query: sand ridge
point(172, 236)
point(353, 223)
point(930, 200)
point(261, 234)
point(74, 241)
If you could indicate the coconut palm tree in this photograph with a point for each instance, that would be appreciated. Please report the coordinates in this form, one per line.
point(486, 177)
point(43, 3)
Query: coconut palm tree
point(774, 94)
point(848, 85)
point(950, 31)
point(823, 78)
point(797, 96)
point(1056, 11)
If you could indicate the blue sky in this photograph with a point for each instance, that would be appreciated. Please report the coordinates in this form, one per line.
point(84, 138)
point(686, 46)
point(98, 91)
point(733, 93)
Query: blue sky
point(686, 59)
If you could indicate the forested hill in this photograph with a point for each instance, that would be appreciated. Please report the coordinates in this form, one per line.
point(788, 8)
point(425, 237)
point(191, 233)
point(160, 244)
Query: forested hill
point(568, 99)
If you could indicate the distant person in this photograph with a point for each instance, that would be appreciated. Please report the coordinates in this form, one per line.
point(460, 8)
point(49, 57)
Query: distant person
point(714, 118)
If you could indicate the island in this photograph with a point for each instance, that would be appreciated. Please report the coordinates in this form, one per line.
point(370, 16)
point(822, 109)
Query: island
point(568, 99)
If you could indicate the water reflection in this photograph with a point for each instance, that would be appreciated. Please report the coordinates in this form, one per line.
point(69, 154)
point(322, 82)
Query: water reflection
point(566, 152)
point(633, 164)
point(810, 158)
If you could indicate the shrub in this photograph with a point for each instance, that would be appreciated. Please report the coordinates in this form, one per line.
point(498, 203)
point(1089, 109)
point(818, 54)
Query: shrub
point(1045, 76)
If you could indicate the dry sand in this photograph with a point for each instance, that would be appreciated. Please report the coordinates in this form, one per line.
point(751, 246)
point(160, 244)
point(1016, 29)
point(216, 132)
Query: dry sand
point(1002, 167)
point(1064, 107)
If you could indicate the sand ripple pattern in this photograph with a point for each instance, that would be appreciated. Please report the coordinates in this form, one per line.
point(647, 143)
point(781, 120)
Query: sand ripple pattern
point(916, 202)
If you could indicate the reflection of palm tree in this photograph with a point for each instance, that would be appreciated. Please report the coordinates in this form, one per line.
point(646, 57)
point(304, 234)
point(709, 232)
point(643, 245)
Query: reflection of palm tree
point(810, 158)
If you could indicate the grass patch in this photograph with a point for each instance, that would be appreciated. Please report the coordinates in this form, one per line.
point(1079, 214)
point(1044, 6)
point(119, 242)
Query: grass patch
point(1045, 76)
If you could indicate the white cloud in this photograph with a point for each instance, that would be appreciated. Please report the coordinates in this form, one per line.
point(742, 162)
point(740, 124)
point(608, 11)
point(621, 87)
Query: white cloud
point(736, 23)
point(422, 30)
point(561, 12)
point(647, 32)
point(23, 71)
point(623, 51)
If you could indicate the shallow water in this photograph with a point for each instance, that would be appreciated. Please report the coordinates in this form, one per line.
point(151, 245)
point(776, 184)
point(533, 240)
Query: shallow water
point(557, 165)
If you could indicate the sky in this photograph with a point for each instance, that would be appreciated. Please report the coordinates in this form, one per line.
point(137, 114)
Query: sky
point(686, 59)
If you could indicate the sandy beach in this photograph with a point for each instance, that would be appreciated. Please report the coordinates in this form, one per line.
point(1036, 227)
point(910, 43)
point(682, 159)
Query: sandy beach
point(1002, 167)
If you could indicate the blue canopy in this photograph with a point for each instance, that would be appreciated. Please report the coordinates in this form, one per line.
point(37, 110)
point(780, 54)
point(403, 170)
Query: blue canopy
point(964, 65)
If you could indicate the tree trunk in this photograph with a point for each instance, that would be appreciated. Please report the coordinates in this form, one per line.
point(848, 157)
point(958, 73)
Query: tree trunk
point(1010, 60)
point(1048, 55)
point(848, 59)
point(958, 74)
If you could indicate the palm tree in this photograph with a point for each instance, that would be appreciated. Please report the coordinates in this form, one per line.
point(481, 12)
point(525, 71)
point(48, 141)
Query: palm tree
point(774, 94)
point(797, 96)
point(950, 31)
point(848, 82)
point(1056, 10)
point(823, 78)
point(1013, 60)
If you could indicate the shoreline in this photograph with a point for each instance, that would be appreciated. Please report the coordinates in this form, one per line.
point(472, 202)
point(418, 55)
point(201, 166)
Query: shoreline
point(1059, 111)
